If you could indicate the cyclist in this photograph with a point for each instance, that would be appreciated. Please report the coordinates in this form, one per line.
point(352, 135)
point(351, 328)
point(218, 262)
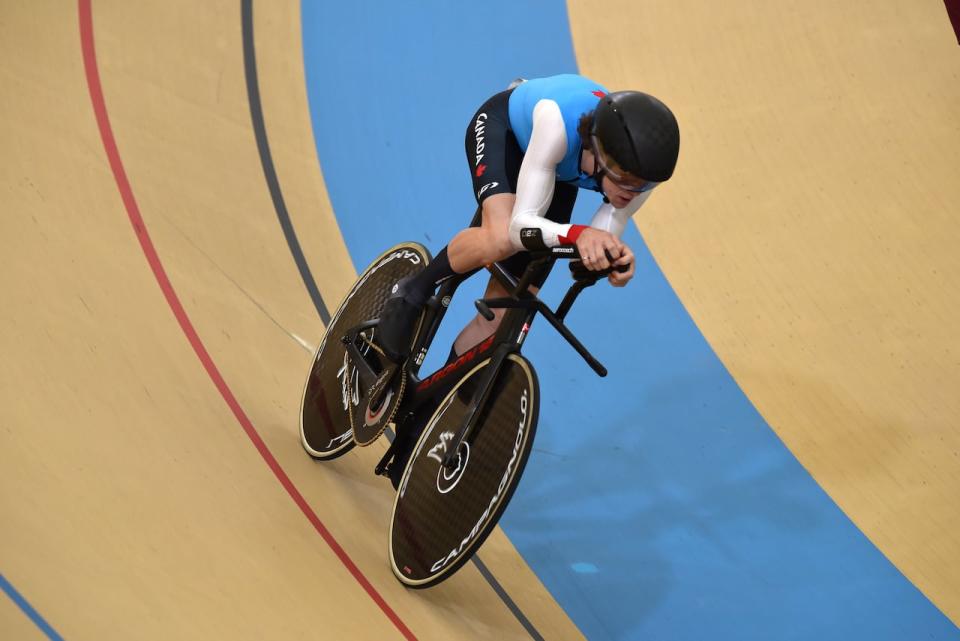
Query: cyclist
point(530, 149)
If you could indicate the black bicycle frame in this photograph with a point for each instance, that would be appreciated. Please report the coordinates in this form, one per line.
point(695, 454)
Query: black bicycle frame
point(523, 306)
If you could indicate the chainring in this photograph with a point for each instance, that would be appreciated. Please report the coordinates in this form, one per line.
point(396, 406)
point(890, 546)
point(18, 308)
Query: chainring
point(369, 424)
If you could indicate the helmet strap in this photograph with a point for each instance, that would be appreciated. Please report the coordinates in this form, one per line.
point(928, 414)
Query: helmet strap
point(598, 171)
point(597, 177)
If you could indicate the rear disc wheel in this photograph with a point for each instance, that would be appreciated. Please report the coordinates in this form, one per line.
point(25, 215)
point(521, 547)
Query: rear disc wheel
point(331, 391)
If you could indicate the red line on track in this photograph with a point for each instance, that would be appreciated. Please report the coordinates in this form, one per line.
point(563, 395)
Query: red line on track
point(140, 228)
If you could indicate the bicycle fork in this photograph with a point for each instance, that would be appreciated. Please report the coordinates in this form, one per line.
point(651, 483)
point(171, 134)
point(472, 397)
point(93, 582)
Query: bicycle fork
point(480, 396)
point(532, 305)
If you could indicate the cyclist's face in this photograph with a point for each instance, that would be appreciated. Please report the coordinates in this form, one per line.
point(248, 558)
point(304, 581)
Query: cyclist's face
point(618, 195)
point(619, 186)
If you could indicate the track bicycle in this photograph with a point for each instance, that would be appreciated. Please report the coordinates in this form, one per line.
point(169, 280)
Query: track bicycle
point(483, 406)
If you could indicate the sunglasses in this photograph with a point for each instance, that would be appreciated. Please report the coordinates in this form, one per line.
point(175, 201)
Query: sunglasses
point(616, 177)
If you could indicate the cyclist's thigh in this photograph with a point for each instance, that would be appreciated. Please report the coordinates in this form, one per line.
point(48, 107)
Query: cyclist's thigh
point(496, 212)
point(496, 290)
point(493, 153)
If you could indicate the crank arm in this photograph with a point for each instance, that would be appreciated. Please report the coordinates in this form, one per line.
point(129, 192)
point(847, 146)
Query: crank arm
point(364, 372)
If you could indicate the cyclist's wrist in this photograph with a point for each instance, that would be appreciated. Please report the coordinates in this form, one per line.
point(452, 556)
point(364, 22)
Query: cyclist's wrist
point(573, 234)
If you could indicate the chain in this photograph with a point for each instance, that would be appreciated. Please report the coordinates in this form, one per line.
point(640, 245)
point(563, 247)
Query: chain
point(370, 342)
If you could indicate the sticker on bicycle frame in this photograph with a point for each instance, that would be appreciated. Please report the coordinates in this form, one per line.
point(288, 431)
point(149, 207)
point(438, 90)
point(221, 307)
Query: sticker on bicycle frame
point(448, 479)
point(464, 358)
point(523, 333)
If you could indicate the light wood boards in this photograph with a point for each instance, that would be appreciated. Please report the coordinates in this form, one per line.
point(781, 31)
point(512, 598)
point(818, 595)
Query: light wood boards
point(811, 232)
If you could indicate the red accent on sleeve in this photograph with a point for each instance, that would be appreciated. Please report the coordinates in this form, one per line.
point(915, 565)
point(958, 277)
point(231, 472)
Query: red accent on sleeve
point(572, 235)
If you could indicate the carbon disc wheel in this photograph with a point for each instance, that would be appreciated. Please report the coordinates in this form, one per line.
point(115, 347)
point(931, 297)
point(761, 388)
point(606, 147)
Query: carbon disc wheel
point(441, 516)
point(331, 392)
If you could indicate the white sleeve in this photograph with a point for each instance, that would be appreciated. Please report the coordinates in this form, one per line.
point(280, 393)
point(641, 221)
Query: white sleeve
point(615, 220)
point(538, 174)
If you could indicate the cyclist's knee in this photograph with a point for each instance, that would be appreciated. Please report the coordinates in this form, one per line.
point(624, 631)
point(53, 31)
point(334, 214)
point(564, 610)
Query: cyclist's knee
point(496, 244)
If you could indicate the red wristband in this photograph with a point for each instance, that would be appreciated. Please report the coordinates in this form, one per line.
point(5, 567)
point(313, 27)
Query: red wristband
point(572, 235)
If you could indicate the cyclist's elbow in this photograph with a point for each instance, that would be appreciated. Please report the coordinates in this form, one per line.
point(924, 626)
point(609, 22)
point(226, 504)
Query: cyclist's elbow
point(512, 238)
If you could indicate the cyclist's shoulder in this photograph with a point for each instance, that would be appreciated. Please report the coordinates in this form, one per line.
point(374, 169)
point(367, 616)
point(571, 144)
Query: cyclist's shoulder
point(573, 95)
point(558, 84)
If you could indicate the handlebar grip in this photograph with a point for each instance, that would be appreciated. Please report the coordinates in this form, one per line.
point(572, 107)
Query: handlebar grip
point(623, 269)
point(579, 271)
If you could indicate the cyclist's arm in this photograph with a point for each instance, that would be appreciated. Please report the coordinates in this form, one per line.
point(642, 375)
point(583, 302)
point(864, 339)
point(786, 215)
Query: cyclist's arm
point(538, 174)
point(614, 221)
point(535, 184)
point(608, 218)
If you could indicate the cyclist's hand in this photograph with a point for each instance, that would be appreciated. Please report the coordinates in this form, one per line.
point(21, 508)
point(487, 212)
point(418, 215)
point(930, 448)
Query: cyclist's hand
point(618, 279)
point(594, 244)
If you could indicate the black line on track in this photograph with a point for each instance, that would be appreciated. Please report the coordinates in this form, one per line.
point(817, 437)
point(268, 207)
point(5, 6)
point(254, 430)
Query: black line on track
point(270, 173)
point(502, 593)
point(266, 159)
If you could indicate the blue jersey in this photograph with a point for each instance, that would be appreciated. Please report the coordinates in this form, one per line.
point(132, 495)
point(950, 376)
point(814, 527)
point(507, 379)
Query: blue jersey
point(576, 96)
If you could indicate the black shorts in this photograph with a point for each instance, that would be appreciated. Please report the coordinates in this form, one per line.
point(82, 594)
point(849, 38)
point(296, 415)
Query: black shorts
point(494, 157)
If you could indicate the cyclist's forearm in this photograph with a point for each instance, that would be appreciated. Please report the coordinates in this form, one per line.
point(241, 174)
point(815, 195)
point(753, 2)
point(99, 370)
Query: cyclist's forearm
point(608, 218)
point(531, 232)
point(537, 178)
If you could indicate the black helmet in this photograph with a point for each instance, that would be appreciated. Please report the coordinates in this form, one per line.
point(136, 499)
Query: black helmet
point(639, 132)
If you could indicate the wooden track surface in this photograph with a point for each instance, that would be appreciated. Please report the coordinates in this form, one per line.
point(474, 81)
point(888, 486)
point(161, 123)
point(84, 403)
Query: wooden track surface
point(15, 625)
point(811, 232)
point(134, 505)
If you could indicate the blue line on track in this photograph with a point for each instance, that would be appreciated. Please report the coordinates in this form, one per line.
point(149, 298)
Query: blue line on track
point(29, 610)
